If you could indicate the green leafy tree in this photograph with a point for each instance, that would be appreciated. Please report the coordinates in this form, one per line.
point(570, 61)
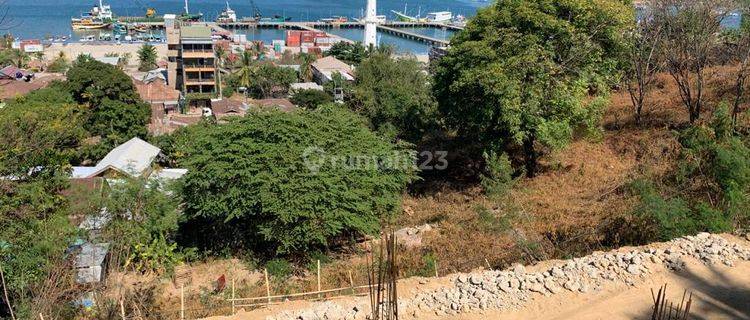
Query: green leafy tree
point(311, 98)
point(521, 75)
point(115, 112)
point(305, 66)
point(39, 139)
point(147, 57)
point(144, 225)
point(352, 53)
point(60, 64)
point(287, 182)
point(394, 93)
point(271, 81)
point(245, 70)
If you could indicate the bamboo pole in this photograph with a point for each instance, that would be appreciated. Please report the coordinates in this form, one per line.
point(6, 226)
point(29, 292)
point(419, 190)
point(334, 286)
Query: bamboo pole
point(5, 293)
point(268, 286)
point(182, 301)
point(233, 306)
point(319, 295)
point(351, 281)
point(122, 309)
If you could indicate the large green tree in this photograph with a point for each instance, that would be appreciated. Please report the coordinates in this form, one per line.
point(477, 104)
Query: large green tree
point(395, 94)
point(525, 75)
point(115, 111)
point(39, 138)
point(147, 57)
point(288, 182)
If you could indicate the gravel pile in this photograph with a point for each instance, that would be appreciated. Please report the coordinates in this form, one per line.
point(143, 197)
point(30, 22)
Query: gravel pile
point(510, 288)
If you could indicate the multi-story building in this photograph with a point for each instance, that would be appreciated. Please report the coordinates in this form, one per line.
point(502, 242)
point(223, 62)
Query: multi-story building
point(192, 61)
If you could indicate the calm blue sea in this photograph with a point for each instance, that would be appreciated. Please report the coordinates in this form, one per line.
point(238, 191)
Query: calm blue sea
point(44, 18)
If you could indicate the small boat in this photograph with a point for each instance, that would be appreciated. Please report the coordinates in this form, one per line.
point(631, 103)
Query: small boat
point(227, 15)
point(335, 19)
point(276, 18)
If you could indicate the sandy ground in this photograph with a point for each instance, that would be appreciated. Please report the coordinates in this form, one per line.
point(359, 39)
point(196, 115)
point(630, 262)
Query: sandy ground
point(719, 292)
point(72, 50)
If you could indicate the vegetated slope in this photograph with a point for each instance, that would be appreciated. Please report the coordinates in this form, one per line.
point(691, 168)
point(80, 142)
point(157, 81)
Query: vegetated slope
point(578, 203)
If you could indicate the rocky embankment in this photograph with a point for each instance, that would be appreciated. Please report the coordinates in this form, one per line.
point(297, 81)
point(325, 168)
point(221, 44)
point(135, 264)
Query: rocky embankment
point(512, 288)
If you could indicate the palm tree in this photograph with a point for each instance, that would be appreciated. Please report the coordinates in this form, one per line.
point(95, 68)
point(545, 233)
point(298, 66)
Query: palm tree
point(147, 57)
point(221, 55)
point(305, 66)
point(246, 70)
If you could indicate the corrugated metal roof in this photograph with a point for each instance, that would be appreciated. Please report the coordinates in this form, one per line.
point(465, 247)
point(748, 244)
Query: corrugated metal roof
point(195, 32)
point(133, 158)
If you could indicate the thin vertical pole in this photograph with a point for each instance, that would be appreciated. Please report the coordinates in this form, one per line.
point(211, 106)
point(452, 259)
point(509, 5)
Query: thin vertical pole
point(319, 294)
point(122, 309)
point(182, 301)
point(351, 281)
point(436, 269)
point(268, 286)
point(233, 307)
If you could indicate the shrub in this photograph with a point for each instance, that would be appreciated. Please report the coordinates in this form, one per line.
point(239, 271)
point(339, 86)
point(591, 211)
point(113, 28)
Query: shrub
point(279, 269)
point(498, 177)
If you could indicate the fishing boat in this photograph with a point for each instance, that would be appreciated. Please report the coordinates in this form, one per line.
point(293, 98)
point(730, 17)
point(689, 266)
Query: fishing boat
point(227, 15)
point(404, 17)
point(99, 17)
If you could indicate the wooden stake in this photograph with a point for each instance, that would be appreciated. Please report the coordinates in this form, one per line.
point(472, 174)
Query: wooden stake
point(436, 269)
point(319, 295)
point(268, 286)
point(488, 264)
point(41, 316)
point(182, 302)
point(122, 309)
point(351, 281)
point(233, 308)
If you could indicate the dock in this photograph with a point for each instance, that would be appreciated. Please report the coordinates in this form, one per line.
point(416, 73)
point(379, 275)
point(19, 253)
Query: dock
point(390, 27)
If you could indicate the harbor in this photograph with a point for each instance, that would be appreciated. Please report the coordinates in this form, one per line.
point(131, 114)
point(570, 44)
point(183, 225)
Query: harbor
point(131, 21)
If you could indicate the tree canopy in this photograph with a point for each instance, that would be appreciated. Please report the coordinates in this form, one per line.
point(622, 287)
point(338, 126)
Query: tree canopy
point(394, 93)
point(288, 181)
point(519, 76)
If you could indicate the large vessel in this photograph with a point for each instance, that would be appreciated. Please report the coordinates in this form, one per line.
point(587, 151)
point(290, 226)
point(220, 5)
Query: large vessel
point(100, 17)
point(227, 15)
point(440, 17)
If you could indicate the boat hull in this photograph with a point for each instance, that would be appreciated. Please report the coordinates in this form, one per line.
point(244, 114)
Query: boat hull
point(91, 27)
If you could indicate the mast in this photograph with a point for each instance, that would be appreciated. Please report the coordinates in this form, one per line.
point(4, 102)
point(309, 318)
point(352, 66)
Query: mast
point(187, 11)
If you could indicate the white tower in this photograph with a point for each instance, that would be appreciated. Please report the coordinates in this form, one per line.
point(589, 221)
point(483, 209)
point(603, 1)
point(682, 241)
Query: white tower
point(371, 21)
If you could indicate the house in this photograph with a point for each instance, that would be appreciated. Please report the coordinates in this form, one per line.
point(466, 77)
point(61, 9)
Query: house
point(281, 104)
point(134, 158)
point(324, 69)
point(154, 88)
point(10, 88)
point(228, 107)
point(14, 73)
point(305, 86)
point(115, 61)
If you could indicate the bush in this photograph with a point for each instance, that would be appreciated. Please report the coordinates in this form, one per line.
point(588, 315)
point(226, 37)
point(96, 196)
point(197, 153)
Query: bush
point(666, 219)
point(279, 269)
point(288, 182)
point(498, 177)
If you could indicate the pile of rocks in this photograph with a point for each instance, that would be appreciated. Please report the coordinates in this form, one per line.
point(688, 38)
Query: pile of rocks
point(511, 288)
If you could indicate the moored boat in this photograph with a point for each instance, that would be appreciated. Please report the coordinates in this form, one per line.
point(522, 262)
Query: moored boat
point(227, 15)
point(99, 17)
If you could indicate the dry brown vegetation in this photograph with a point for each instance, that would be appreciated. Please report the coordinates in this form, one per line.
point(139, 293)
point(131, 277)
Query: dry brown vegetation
point(571, 208)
